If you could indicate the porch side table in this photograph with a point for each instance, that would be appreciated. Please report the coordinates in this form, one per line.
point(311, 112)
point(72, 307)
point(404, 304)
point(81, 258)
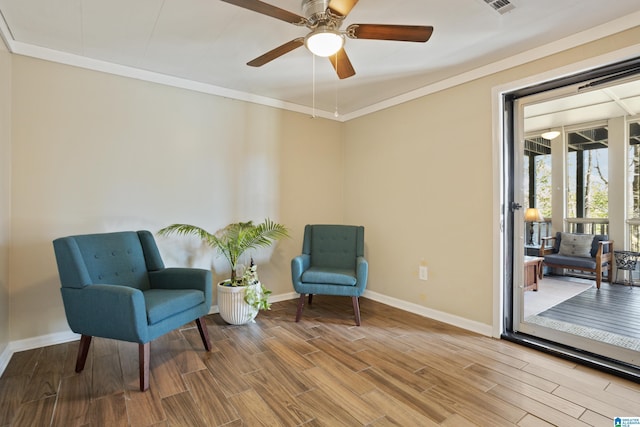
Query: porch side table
point(532, 269)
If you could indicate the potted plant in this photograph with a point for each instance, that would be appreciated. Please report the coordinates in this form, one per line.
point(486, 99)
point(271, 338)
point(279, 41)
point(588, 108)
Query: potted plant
point(241, 296)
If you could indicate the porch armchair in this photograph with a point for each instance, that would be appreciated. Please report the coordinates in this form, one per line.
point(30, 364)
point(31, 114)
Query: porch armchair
point(332, 263)
point(584, 252)
point(115, 285)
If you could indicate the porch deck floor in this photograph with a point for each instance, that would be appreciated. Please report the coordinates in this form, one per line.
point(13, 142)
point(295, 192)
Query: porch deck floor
point(612, 308)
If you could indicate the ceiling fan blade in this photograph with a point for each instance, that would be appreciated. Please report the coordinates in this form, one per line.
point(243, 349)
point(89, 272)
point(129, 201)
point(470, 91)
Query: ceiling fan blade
point(342, 7)
point(269, 10)
point(342, 65)
point(406, 33)
point(277, 52)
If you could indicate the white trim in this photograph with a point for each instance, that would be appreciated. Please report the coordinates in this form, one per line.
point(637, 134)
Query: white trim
point(5, 33)
point(498, 213)
point(595, 33)
point(43, 341)
point(557, 46)
point(5, 357)
point(460, 322)
point(284, 297)
point(71, 59)
point(35, 342)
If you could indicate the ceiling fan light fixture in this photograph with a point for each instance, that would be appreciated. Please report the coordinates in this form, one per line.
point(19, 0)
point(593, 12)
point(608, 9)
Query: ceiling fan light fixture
point(324, 42)
point(552, 134)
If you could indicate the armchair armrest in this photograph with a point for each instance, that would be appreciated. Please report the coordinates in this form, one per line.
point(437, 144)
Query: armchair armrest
point(362, 272)
point(546, 245)
point(108, 311)
point(298, 266)
point(183, 278)
point(601, 256)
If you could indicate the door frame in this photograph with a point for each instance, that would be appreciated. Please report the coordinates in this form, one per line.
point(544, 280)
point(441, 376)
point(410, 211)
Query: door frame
point(505, 228)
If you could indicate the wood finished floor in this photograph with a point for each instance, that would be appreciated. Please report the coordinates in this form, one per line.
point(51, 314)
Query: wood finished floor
point(397, 369)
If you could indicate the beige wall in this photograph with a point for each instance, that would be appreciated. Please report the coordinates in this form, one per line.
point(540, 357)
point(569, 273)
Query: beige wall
point(420, 179)
point(5, 191)
point(419, 171)
point(95, 152)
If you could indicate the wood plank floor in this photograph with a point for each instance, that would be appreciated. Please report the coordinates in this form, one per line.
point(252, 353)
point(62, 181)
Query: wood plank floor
point(397, 369)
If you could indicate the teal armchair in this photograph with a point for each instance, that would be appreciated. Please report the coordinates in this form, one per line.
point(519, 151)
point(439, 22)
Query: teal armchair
point(332, 263)
point(115, 285)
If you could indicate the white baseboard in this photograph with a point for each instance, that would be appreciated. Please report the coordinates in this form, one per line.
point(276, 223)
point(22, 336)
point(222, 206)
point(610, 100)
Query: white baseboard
point(67, 336)
point(43, 341)
point(460, 322)
point(284, 297)
point(5, 357)
point(35, 342)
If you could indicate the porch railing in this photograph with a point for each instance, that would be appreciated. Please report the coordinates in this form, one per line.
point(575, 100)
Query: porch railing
point(587, 225)
point(581, 225)
point(634, 234)
point(540, 230)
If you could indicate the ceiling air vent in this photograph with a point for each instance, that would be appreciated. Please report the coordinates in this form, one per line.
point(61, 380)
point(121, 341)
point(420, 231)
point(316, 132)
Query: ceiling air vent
point(501, 6)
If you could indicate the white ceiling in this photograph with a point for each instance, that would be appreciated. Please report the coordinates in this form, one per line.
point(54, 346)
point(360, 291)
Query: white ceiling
point(580, 107)
point(208, 42)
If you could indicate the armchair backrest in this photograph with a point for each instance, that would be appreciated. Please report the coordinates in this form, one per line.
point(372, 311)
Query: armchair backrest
point(335, 246)
point(120, 258)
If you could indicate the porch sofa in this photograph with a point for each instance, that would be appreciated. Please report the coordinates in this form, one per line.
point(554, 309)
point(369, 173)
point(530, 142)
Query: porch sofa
point(584, 252)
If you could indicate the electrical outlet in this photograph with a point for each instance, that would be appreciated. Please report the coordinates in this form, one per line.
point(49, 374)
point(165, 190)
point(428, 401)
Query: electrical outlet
point(423, 272)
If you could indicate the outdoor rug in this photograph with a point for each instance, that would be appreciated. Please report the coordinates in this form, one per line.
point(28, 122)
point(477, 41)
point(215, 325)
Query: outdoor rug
point(552, 291)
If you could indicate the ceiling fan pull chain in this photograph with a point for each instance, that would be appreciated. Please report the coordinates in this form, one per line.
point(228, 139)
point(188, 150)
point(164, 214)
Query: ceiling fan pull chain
point(335, 113)
point(313, 88)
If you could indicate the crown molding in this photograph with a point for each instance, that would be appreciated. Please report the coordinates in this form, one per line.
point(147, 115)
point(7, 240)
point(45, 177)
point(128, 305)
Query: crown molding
point(557, 46)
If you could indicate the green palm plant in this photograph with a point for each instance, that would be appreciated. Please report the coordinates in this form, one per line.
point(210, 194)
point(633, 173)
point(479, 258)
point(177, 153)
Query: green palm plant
point(233, 240)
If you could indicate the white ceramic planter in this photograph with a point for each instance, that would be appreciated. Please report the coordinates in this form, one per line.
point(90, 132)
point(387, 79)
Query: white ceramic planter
point(231, 305)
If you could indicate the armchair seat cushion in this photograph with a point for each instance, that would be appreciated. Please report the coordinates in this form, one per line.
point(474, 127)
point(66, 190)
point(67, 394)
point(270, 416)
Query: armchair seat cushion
point(330, 276)
point(164, 303)
point(572, 261)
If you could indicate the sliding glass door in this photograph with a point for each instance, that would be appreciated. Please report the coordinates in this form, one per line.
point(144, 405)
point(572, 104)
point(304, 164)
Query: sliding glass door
point(576, 169)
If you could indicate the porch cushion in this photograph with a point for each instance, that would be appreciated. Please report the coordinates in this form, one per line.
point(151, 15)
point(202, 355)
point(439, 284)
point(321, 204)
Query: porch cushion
point(577, 245)
point(571, 261)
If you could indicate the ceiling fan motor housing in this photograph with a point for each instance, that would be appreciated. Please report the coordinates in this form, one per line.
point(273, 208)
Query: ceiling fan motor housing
point(316, 13)
point(324, 18)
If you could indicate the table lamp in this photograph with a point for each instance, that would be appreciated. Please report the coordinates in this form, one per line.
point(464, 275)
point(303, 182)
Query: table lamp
point(532, 215)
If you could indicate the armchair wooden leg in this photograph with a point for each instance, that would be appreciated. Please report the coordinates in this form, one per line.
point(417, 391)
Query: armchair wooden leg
point(356, 309)
point(300, 306)
point(83, 351)
point(143, 362)
point(204, 333)
point(310, 298)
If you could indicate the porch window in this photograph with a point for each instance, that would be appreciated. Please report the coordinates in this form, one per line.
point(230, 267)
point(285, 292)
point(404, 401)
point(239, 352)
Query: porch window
point(537, 183)
point(588, 180)
point(633, 185)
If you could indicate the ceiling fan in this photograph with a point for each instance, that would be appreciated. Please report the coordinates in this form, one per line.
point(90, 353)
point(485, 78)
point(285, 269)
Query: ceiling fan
point(324, 18)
